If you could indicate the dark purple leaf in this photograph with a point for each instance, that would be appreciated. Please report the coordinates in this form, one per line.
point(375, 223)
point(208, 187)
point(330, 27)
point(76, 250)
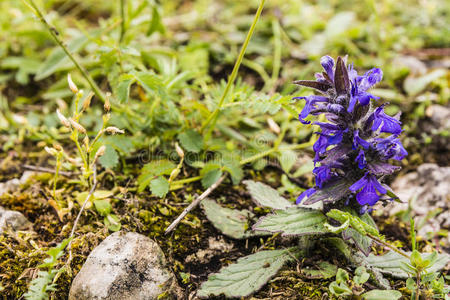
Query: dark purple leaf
point(341, 81)
point(320, 86)
point(330, 192)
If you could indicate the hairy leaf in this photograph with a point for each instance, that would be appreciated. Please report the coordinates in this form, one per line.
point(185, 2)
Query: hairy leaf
point(247, 275)
point(191, 140)
point(159, 186)
point(293, 221)
point(265, 196)
point(231, 222)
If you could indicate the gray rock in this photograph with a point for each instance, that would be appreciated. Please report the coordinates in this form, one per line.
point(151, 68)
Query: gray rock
point(14, 184)
point(439, 115)
point(125, 266)
point(13, 219)
point(430, 187)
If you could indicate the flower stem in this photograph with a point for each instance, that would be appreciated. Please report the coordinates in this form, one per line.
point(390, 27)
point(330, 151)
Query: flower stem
point(213, 116)
point(395, 249)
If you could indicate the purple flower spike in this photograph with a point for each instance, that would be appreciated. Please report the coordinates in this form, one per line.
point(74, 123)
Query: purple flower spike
point(356, 142)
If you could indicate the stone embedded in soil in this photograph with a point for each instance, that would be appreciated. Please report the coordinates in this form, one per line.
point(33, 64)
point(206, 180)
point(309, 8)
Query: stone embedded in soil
point(125, 266)
point(431, 185)
point(14, 220)
point(14, 184)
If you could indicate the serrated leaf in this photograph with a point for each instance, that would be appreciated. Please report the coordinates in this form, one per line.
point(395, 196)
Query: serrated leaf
point(265, 196)
point(235, 170)
point(247, 275)
point(293, 221)
point(153, 169)
point(191, 140)
point(211, 177)
point(390, 263)
point(151, 83)
point(231, 222)
point(110, 159)
point(159, 186)
point(382, 295)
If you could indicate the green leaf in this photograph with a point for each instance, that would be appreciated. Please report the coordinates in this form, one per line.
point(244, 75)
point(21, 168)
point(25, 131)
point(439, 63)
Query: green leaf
point(341, 276)
point(382, 295)
point(391, 262)
point(211, 177)
point(265, 196)
point(191, 140)
point(231, 222)
point(153, 169)
point(159, 186)
point(103, 207)
point(339, 289)
point(361, 276)
point(287, 159)
point(123, 88)
point(325, 270)
point(293, 221)
point(112, 222)
point(110, 159)
point(247, 275)
point(156, 22)
point(151, 83)
point(410, 284)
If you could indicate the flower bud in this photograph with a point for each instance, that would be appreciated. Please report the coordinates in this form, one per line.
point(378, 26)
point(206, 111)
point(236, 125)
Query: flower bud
point(87, 101)
point(63, 119)
point(179, 150)
point(273, 126)
point(99, 152)
point(107, 105)
point(72, 85)
point(77, 126)
point(114, 130)
point(51, 151)
point(58, 147)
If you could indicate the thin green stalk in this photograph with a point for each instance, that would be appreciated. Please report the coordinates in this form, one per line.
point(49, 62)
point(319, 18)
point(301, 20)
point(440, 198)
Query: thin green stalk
point(122, 24)
point(213, 116)
point(277, 53)
point(187, 180)
point(55, 36)
point(395, 249)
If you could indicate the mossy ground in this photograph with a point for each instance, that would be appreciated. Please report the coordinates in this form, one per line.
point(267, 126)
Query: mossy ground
point(22, 252)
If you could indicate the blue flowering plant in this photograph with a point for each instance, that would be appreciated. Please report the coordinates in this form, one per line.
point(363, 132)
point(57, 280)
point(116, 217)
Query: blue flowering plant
point(354, 146)
point(352, 156)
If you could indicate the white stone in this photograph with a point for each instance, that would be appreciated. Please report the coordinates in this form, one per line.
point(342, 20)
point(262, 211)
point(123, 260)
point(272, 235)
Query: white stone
point(126, 266)
point(13, 219)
